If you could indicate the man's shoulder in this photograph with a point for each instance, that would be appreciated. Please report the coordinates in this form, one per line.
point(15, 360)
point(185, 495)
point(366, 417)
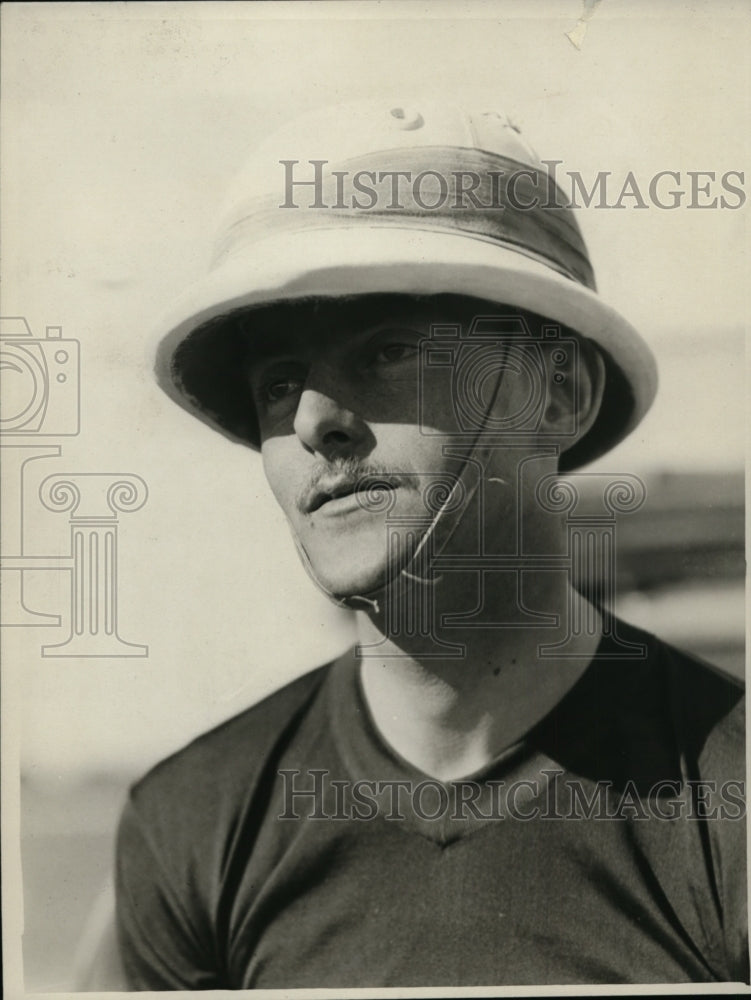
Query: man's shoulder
point(703, 703)
point(230, 757)
point(648, 711)
point(181, 819)
point(710, 708)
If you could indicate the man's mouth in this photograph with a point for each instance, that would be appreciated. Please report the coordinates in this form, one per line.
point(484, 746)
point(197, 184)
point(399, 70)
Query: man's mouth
point(366, 492)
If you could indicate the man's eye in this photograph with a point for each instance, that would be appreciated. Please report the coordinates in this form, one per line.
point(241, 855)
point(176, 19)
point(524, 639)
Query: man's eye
point(390, 353)
point(281, 388)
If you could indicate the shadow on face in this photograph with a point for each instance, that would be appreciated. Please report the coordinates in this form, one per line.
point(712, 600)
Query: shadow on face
point(213, 364)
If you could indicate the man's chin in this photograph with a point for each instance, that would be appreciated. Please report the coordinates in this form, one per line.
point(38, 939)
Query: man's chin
point(346, 569)
point(344, 586)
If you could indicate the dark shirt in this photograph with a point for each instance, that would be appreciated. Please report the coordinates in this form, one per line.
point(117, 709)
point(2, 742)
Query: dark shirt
point(608, 846)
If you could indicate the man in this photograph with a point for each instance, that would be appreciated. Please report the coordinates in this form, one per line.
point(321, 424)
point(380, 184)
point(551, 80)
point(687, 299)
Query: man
point(501, 784)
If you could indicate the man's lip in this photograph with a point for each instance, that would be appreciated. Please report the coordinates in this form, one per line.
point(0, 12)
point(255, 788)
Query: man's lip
point(326, 493)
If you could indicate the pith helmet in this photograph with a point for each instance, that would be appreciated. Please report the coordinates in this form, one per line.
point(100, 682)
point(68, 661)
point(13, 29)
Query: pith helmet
point(381, 197)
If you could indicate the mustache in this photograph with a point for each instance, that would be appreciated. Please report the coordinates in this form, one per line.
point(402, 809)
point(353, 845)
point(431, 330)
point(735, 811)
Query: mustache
point(345, 475)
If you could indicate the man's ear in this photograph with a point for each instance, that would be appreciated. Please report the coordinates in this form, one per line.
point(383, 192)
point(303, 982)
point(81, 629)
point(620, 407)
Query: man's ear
point(575, 393)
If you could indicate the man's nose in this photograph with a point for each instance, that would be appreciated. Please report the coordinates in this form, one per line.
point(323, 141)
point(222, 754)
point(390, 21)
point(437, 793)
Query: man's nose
point(329, 428)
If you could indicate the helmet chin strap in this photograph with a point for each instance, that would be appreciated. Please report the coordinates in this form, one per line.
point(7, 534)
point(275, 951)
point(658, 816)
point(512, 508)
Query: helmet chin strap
point(462, 487)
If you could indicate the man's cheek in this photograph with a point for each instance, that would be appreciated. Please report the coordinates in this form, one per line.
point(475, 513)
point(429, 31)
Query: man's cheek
point(281, 483)
point(437, 414)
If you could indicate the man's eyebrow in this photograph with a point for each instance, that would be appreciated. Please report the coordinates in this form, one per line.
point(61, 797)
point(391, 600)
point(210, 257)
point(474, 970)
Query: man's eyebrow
point(282, 340)
point(265, 345)
point(285, 335)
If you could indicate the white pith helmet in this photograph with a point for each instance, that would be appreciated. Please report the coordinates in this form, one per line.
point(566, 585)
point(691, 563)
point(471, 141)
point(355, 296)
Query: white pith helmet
point(512, 243)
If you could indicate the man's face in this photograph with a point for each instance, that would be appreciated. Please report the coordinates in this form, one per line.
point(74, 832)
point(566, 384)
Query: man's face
point(353, 452)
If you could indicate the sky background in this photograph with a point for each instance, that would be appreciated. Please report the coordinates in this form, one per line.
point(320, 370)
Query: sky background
point(122, 125)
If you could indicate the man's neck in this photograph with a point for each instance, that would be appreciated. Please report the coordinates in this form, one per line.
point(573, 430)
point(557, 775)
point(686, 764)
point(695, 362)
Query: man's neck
point(453, 716)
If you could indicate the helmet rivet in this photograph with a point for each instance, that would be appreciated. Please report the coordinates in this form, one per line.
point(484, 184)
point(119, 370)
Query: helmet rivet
point(406, 119)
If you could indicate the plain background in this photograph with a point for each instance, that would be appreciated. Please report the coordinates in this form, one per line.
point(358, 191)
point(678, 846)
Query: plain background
point(121, 126)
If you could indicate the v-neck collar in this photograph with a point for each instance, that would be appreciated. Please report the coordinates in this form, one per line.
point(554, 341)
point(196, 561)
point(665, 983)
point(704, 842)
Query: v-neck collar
point(423, 804)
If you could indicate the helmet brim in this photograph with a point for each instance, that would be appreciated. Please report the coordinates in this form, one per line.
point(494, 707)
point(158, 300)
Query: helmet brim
point(366, 260)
